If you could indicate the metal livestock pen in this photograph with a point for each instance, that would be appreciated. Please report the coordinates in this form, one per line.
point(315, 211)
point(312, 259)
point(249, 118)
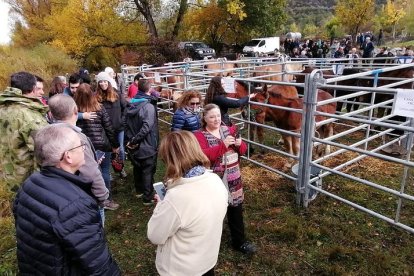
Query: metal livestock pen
point(359, 134)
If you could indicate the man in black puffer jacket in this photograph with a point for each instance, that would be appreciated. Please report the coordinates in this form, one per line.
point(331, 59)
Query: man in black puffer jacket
point(58, 228)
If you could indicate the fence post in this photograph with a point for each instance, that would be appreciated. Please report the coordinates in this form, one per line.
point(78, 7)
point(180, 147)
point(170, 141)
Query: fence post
point(306, 144)
point(408, 143)
point(186, 69)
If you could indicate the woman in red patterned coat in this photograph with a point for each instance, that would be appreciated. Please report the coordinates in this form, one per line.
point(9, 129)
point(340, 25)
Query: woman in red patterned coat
point(223, 147)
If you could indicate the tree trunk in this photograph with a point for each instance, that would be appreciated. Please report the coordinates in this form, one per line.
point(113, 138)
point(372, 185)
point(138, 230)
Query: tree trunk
point(393, 32)
point(144, 8)
point(180, 16)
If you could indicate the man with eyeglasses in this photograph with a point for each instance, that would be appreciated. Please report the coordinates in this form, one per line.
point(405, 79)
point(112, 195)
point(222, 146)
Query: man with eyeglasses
point(187, 115)
point(58, 228)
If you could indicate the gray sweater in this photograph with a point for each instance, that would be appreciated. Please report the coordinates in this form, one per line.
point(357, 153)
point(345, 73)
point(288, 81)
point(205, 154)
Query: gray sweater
point(90, 170)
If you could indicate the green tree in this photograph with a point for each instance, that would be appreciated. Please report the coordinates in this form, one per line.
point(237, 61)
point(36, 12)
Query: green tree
point(391, 13)
point(333, 28)
point(264, 18)
point(294, 28)
point(353, 14)
point(311, 31)
point(408, 20)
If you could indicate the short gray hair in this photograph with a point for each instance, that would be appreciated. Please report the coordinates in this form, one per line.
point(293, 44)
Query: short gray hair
point(52, 141)
point(62, 107)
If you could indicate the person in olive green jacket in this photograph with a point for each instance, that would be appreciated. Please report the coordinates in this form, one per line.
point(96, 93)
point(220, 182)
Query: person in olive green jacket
point(21, 113)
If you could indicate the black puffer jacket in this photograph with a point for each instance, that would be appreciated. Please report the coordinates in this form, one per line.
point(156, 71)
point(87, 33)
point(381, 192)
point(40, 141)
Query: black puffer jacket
point(58, 227)
point(100, 131)
point(116, 111)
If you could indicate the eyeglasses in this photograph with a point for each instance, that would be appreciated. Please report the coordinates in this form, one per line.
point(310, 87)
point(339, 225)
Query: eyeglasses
point(198, 103)
point(83, 145)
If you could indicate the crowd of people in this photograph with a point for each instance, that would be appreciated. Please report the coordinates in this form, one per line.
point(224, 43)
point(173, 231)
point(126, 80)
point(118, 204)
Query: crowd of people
point(325, 49)
point(57, 153)
point(365, 46)
point(363, 43)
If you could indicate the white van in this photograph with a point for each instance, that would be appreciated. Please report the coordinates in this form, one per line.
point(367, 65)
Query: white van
point(262, 46)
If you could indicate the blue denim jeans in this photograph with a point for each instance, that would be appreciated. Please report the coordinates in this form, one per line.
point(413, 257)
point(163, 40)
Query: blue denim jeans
point(105, 169)
point(102, 215)
point(121, 145)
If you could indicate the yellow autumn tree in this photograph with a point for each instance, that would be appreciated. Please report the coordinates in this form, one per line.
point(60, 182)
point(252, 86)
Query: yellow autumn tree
point(82, 27)
point(30, 28)
point(215, 23)
point(354, 14)
point(236, 8)
point(391, 13)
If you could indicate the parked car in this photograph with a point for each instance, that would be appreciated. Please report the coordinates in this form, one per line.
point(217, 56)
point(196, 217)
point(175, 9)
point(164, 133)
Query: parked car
point(197, 50)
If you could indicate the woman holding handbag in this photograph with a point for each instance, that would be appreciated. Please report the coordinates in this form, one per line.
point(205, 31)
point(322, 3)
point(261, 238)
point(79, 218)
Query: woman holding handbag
point(223, 148)
point(115, 106)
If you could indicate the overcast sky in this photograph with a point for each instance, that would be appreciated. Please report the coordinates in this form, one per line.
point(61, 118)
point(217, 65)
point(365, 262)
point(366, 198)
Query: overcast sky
point(4, 23)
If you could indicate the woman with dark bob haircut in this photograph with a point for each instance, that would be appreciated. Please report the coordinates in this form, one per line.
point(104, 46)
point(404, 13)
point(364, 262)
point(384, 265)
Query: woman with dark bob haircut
point(187, 224)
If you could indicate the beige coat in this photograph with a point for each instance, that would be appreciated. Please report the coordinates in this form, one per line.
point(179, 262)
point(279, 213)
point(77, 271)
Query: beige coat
point(187, 225)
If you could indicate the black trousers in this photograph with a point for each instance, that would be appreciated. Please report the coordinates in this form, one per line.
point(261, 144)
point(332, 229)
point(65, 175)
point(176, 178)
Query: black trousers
point(236, 225)
point(209, 273)
point(144, 170)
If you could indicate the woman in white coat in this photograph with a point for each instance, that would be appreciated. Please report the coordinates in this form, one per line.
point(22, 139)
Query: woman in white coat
point(187, 224)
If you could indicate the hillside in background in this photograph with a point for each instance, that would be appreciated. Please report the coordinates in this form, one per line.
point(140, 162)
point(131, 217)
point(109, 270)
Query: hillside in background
point(314, 12)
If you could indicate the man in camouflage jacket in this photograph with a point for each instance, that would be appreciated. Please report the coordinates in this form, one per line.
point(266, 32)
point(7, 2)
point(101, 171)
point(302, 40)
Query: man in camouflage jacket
point(21, 113)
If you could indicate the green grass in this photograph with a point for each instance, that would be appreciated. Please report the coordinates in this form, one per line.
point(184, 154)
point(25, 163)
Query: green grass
point(328, 238)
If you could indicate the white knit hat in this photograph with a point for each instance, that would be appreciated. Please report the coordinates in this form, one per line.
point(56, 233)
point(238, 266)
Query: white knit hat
point(104, 76)
point(109, 70)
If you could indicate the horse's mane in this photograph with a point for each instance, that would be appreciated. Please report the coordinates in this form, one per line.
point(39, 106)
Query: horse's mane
point(246, 85)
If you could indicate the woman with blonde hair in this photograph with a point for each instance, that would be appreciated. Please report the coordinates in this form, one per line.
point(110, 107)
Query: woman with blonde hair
point(187, 224)
point(99, 131)
point(223, 147)
point(187, 117)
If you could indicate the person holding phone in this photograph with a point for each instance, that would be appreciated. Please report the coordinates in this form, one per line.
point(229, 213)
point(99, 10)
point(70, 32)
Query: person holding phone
point(223, 148)
point(187, 224)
